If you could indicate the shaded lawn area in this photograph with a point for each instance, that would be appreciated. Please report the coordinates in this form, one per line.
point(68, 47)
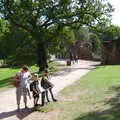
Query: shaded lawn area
point(95, 97)
point(6, 74)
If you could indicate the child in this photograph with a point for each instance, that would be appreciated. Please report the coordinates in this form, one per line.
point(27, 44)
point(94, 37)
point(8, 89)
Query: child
point(47, 85)
point(46, 73)
point(36, 88)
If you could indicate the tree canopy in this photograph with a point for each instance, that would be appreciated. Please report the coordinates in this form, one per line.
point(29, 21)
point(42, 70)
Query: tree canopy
point(110, 32)
point(37, 17)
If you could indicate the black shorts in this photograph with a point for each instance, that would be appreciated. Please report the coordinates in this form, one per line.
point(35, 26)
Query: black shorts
point(35, 95)
point(46, 84)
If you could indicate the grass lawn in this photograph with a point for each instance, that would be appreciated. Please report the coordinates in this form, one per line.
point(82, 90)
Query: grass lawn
point(95, 97)
point(7, 73)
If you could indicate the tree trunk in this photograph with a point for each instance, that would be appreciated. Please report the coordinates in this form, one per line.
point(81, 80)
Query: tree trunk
point(42, 56)
point(41, 51)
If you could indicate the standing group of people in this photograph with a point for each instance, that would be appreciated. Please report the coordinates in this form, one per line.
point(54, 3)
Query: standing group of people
point(26, 83)
point(72, 59)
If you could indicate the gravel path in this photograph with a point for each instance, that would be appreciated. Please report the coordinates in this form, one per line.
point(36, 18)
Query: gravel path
point(61, 79)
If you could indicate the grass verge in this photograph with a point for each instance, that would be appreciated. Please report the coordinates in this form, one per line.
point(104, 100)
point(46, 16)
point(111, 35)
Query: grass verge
point(6, 74)
point(95, 97)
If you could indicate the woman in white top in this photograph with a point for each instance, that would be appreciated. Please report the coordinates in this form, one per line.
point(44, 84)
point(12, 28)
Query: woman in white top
point(23, 88)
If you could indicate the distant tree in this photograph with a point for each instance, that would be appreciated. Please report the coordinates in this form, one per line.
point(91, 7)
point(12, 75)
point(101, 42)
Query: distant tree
point(106, 31)
point(4, 28)
point(62, 41)
point(38, 16)
point(85, 35)
point(111, 32)
point(82, 34)
point(95, 43)
point(18, 47)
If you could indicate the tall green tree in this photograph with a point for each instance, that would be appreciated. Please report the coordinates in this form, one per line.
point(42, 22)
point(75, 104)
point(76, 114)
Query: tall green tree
point(65, 37)
point(85, 35)
point(82, 34)
point(18, 47)
point(37, 17)
point(4, 28)
point(95, 43)
point(110, 32)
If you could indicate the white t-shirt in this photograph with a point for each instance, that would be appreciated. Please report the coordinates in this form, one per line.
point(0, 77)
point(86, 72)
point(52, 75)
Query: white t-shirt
point(24, 77)
point(40, 88)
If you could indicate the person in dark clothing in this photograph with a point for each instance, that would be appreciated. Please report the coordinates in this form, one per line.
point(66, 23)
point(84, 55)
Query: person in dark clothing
point(36, 89)
point(47, 85)
point(76, 58)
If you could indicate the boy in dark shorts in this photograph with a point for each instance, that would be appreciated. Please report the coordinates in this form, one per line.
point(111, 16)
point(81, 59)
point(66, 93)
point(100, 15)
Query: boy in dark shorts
point(36, 89)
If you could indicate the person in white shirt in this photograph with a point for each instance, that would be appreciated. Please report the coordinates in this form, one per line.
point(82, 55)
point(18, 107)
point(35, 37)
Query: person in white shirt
point(23, 87)
point(36, 89)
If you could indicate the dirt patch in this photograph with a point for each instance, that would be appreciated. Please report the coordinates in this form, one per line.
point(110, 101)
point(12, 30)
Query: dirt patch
point(73, 97)
point(109, 97)
point(80, 93)
point(52, 115)
point(68, 98)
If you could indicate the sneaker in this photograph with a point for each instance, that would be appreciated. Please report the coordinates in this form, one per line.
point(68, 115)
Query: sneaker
point(26, 107)
point(55, 100)
point(42, 105)
point(48, 101)
point(38, 104)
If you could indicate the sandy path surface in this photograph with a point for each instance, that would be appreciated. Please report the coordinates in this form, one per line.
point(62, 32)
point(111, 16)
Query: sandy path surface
point(61, 79)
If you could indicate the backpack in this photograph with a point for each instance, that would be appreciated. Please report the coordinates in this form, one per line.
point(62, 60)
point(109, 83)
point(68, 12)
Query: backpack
point(33, 86)
point(45, 83)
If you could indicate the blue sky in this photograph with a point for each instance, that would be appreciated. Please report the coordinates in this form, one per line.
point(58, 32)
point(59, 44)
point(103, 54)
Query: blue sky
point(116, 14)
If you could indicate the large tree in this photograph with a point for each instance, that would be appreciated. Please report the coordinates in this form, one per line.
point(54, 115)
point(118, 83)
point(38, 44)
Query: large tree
point(4, 28)
point(82, 34)
point(110, 32)
point(38, 16)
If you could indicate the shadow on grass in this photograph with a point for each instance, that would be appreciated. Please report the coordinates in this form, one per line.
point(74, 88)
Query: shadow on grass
point(19, 114)
point(113, 113)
